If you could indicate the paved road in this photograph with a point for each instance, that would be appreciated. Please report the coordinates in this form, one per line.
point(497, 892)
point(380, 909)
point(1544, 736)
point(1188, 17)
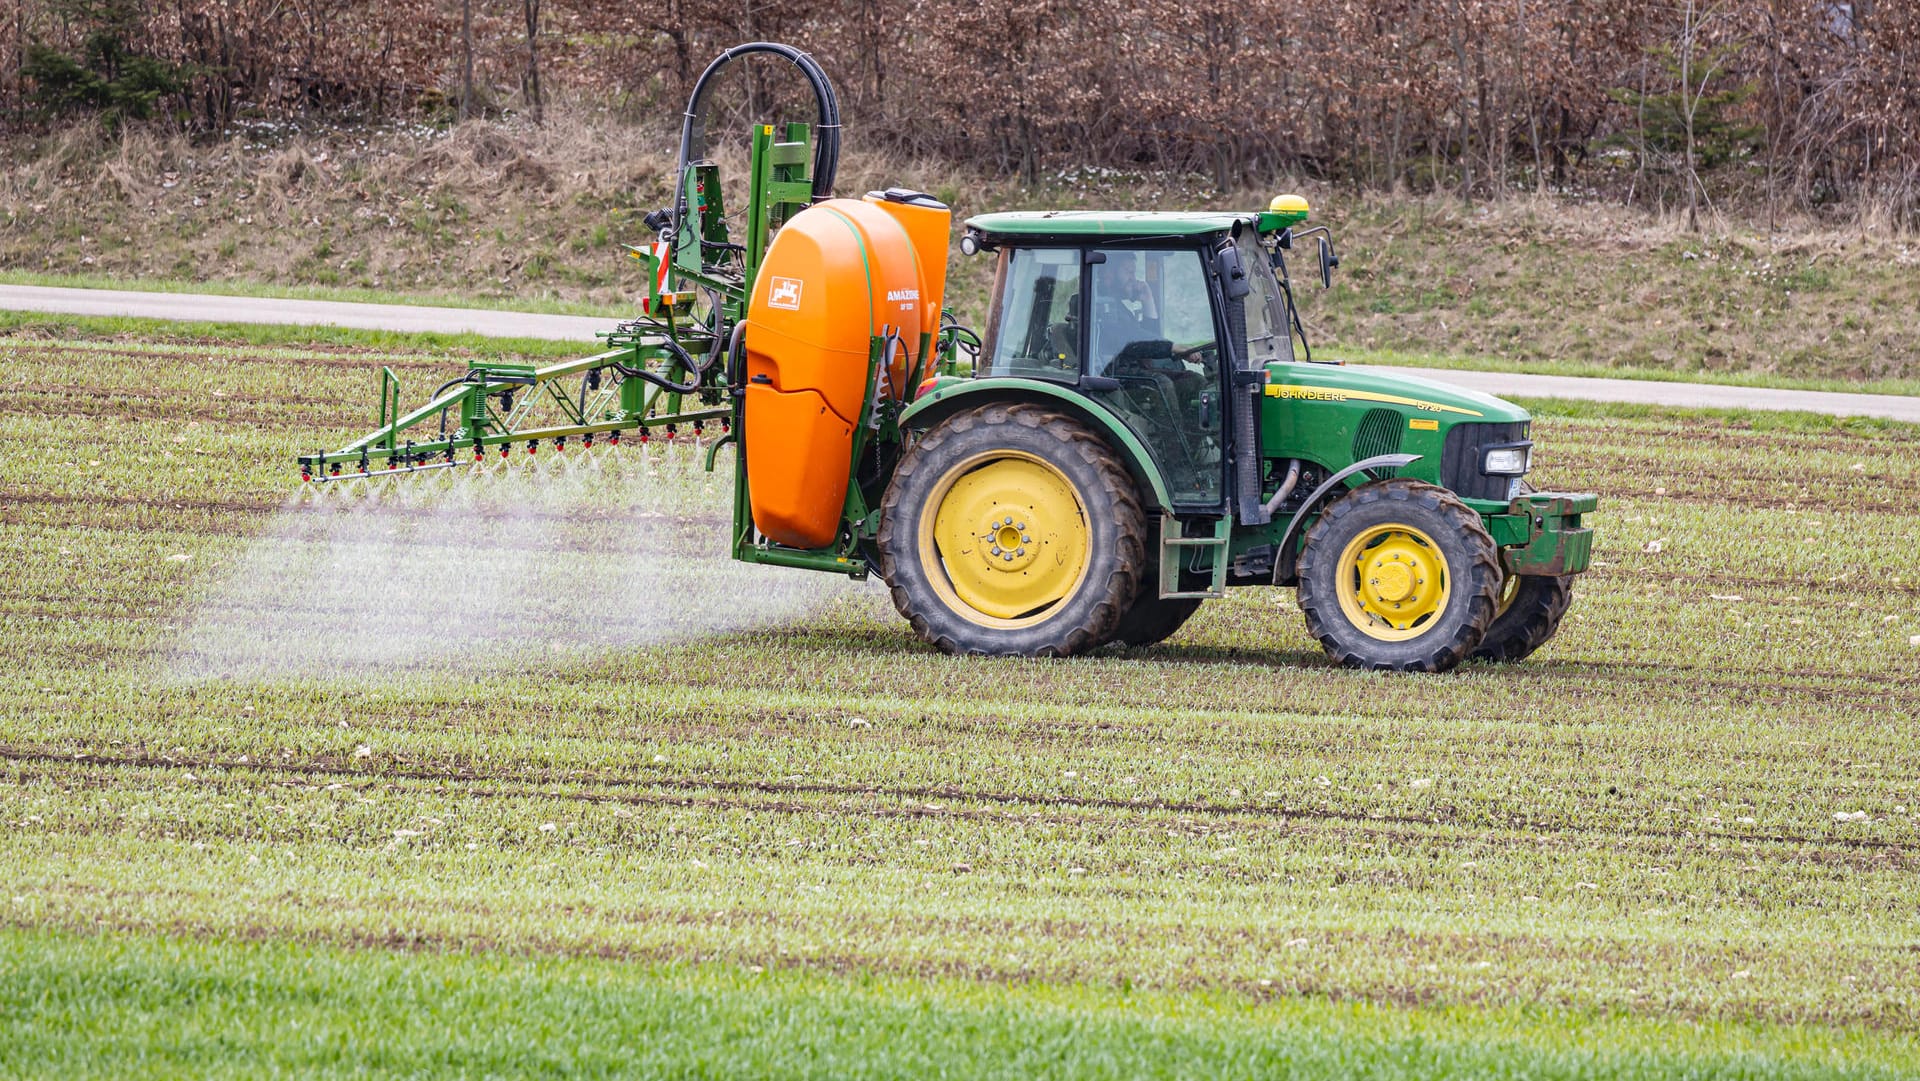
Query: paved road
point(305, 313)
point(1692, 395)
point(199, 307)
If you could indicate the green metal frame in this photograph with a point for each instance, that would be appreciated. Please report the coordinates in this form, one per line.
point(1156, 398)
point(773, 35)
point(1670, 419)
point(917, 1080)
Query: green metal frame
point(591, 395)
point(780, 183)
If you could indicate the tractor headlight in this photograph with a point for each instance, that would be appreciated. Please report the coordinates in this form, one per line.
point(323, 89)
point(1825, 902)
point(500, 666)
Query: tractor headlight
point(1510, 460)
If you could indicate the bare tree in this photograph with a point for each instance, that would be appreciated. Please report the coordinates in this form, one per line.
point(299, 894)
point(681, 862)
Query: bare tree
point(530, 83)
point(466, 62)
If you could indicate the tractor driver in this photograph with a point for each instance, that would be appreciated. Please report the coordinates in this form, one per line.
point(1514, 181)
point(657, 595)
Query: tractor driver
point(1130, 334)
point(1126, 314)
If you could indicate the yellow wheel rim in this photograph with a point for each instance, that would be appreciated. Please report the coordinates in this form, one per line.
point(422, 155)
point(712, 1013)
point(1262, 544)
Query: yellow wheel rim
point(1393, 582)
point(1509, 589)
point(1004, 540)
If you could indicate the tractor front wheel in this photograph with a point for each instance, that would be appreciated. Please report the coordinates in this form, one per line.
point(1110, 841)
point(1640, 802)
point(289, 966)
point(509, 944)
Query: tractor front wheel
point(1012, 530)
point(1399, 575)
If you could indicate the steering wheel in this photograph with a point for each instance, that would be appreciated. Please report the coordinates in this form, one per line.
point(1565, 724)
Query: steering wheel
point(1204, 355)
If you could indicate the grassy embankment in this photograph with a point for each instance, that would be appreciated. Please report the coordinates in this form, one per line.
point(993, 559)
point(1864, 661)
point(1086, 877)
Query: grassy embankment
point(506, 217)
point(1678, 841)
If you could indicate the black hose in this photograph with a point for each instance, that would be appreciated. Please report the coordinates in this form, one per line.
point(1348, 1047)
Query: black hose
point(444, 387)
point(686, 361)
point(717, 330)
point(826, 147)
point(737, 357)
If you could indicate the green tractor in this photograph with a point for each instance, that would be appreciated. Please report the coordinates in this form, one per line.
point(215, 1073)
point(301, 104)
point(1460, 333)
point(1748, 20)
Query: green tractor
point(1132, 433)
point(1138, 378)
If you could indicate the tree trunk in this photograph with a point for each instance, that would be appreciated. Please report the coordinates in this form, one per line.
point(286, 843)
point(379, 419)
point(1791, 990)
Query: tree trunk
point(531, 88)
point(466, 64)
point(1688, 104)
point(20, 63)
point(1455, 39)
point(1520, 60)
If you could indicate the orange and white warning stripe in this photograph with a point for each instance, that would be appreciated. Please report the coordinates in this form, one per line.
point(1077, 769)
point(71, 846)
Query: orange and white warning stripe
point(662, 258)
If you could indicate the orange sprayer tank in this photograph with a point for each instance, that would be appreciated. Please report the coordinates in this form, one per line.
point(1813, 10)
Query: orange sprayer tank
point(835, 276)
point(929, 224)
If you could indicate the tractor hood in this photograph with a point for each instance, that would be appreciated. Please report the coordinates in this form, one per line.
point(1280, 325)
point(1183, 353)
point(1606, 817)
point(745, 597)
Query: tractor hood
point(1379, 386)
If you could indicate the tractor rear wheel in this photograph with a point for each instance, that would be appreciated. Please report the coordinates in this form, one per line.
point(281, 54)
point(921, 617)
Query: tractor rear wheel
point(1012, 530)
point(1399, 575)
point(1529, 612)
point(1153, 619)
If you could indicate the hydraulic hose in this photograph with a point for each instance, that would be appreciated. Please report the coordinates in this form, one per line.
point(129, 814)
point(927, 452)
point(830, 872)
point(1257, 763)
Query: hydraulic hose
point(826, 148)
point(698, 371)
point(737, 358)
point(444, 387)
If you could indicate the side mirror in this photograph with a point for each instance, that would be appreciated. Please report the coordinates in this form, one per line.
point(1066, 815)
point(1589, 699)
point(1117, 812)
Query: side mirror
point(1233, 276)
point(1328, 260)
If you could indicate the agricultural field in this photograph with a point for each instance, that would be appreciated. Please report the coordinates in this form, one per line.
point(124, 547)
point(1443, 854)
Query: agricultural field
point(514, 774)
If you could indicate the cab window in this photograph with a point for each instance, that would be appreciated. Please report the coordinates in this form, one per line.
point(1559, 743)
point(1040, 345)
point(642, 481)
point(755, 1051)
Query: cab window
point(1036, 325)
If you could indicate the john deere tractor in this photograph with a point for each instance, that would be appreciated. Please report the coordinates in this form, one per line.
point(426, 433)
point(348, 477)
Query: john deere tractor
point(1138, 427)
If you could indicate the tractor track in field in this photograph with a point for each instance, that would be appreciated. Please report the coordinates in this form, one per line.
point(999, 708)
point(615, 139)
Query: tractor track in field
point(951, 734)
point(243, 507)
point(296, 498)
point(147, 393)
point(1644, 435)
point(233, 527)
point(1792, 586)
point(1902, 499)
point(142, 409)
point(216, 353)
point(1705, 686)
point(1855, 854)
point(1240, 817)
point(1872, 692)
point(1841, 583)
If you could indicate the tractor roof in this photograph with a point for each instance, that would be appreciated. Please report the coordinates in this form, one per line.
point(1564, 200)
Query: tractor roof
point(1109, 223)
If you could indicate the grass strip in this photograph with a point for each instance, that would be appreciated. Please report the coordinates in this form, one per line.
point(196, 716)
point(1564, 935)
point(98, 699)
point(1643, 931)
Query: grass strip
point(82, 1006)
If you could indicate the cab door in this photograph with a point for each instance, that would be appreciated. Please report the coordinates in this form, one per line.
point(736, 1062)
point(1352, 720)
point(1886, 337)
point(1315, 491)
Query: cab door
point(1153, 358)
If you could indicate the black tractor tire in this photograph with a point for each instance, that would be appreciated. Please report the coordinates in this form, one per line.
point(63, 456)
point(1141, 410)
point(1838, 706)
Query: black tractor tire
point(1105, 528)
point(1392, 511)
point(1531, 607)
point(1153, 619)
point(1527, 616)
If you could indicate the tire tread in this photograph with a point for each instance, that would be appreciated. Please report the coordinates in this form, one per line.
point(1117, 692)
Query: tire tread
point(1115, 487)
point(1481, 576)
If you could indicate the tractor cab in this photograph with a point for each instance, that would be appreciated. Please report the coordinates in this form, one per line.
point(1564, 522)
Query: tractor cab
point(1151, 315)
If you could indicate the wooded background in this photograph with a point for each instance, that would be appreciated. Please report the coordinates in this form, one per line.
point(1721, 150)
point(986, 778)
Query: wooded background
point(1810, 103)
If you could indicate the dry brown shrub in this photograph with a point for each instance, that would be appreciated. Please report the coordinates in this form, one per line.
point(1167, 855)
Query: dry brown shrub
point(289, 175)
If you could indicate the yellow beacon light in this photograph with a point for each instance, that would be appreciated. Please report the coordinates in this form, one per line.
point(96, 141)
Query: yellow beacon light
point(1284, 212)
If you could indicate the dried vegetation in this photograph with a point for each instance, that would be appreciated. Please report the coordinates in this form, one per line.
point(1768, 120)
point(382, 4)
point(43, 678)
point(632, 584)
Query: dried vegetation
point(510, 214)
